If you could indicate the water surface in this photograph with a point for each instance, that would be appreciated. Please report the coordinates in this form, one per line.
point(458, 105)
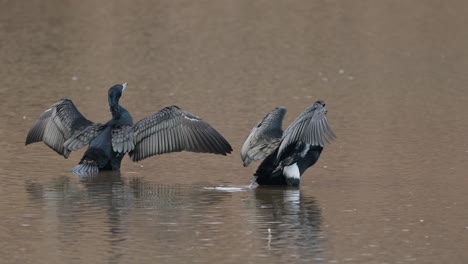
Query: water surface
point(390, 189)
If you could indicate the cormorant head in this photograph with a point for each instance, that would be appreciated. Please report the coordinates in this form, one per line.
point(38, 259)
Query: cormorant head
point(117, 90)
point(114, 94)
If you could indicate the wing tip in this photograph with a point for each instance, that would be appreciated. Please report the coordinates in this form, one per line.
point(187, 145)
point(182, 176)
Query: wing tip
point(28, 141)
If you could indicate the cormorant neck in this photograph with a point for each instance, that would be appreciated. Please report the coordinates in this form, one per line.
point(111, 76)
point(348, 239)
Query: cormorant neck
point(114, 107)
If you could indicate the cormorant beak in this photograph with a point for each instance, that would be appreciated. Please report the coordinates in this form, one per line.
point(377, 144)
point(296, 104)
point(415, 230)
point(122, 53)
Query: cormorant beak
point(124, 86)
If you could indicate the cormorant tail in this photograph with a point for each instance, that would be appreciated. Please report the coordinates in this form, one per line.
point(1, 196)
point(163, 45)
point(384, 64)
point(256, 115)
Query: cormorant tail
point(86, 167)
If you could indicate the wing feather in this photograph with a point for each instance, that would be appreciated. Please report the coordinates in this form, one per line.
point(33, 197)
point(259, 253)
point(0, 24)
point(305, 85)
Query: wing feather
point(322, 130)
point(264, 137)
point(63, 128)
point(310, 127)
point(172, 130)
point(123, 138)
point(82, 138)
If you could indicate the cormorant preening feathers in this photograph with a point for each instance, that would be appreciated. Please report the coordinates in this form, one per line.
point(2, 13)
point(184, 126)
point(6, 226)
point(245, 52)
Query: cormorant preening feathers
point(64, 129)
point(287, 154)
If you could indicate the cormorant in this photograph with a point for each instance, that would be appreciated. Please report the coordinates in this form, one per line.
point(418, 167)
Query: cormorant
point(64, 129)
point(287, 155)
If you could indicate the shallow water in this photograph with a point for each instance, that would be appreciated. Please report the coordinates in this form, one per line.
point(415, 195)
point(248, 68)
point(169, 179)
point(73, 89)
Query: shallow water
point(390, 189)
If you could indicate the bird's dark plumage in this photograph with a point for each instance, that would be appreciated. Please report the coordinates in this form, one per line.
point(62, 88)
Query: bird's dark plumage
point(287, 154)
point(264, 137)
point(173, 129)
point(64, 129)
point(62, 125)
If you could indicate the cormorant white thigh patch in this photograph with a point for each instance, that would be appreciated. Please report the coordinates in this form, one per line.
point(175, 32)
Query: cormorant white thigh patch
point(292, 171)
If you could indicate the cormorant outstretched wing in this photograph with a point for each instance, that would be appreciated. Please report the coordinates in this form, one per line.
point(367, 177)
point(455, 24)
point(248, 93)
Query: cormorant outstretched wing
point(172, 130)
point(264, 137)
point(123, 139)
point(310, 127)
point(63, 128)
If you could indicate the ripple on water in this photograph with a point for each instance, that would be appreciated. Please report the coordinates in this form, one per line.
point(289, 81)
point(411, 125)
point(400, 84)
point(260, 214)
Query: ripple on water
point(226, 189)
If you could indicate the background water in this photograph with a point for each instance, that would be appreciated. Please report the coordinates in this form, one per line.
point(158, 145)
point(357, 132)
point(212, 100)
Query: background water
point(391, 189)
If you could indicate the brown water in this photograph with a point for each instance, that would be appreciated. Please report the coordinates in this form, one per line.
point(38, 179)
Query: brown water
point(391, 189)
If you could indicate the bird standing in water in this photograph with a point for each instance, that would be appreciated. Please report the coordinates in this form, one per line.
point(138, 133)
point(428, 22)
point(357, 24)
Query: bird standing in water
point(287, 155)
point(64, 129)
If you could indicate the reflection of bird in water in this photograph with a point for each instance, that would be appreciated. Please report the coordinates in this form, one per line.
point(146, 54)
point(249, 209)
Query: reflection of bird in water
point(64, 129)
point(122, 209)
point(287, 155)
point(290, 220)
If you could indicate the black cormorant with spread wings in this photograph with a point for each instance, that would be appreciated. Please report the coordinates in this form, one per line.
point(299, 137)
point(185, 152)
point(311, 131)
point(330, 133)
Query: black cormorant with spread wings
point(64, 129)
point(287, 154)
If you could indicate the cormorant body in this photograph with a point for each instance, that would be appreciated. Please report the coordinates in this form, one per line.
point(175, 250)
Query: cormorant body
point(287, 155)
point(64, 129)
